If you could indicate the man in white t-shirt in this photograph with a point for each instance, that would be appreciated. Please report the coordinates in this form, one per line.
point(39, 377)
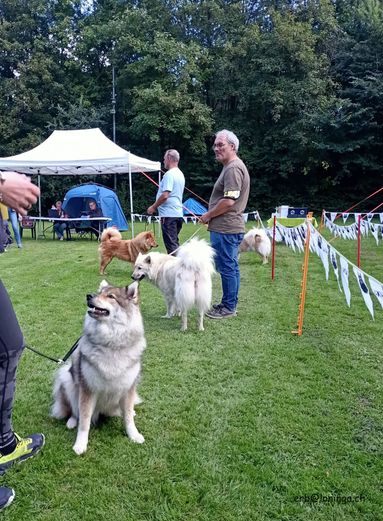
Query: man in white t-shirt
point(169, 201)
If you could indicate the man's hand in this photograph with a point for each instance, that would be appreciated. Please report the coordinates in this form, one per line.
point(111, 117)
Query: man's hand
point(18, 192)
point(151, 210)
point(205, 218)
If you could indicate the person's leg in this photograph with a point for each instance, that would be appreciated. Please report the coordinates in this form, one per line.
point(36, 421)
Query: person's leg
point(57, 231)
point(226, 260)
point(169, 226)
point(12, 447)
point(179, 224)
point(11, 347)
point(15, 227)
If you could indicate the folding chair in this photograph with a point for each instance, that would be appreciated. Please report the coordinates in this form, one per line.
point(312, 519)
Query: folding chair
point(27, 223)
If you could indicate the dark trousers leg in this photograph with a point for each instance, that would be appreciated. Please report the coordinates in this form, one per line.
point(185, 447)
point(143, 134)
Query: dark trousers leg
point(11, 347)
point(171, 227)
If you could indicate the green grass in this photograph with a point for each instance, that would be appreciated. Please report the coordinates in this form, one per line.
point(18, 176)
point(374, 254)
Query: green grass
point(239, 421)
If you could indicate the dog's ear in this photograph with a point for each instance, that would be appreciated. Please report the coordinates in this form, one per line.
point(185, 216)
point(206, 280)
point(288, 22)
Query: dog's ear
point(148, 260)
point(132, 291)
point(103, 284)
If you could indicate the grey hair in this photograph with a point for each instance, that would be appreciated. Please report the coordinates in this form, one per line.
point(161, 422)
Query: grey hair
point(173, 154)
point(230, 138)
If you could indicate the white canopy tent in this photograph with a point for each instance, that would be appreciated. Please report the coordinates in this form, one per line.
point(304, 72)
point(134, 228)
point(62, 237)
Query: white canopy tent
point(79, 152)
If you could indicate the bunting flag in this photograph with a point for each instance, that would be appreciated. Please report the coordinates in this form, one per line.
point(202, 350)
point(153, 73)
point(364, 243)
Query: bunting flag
point(351, 231)
point(377, 289)
point(295, 238)
point(187, 219)
point(364, 290)
point(344, 277)
point(323, 254)
point(335, 265)
point(345, 217)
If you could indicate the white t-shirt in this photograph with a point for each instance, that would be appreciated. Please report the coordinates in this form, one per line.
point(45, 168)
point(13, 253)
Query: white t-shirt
point(173, 182)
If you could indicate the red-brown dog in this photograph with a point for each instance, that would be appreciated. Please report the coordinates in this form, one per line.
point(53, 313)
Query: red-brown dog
point(113, 245)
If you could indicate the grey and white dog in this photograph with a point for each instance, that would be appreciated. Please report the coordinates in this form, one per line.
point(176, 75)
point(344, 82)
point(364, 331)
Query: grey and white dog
point(102, 374)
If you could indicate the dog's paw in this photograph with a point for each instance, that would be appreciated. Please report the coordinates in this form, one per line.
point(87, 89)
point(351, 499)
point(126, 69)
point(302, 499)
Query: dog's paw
point(71, 423)
point(79, 448)
point(135, 436)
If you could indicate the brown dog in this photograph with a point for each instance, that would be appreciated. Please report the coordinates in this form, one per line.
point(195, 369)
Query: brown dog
point(113, 245)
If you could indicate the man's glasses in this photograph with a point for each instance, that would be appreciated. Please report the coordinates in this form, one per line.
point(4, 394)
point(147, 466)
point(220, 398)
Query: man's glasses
point(218, 145)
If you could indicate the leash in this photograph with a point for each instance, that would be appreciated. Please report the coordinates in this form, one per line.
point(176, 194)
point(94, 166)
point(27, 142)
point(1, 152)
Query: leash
point(57, 360)
point(195, 233)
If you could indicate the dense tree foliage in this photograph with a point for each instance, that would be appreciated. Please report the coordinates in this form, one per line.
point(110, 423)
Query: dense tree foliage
point(300, 83)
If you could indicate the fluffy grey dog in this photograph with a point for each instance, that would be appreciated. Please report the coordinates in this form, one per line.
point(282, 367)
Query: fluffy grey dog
point(103, 372)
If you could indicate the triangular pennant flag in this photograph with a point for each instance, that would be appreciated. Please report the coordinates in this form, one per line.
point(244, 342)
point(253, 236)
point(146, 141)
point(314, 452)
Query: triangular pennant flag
point(323, 253)
point(381, 217)
point(377, 289)
point(335, 265)
point(370, 216)
point(344, 278)
point(364, 290)
point(245, 217)
point(345, 217)
point(374, 231)
point(332, 216)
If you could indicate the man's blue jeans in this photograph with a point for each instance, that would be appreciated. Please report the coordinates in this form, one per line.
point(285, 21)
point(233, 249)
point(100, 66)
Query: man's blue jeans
point(226, 262)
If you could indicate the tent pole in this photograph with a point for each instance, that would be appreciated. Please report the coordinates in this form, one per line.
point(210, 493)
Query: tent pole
point(39, 185)
point(131, 198)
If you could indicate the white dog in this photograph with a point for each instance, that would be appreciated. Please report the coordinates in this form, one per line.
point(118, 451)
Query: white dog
point(257, 240)
point(102, 374)
point(185, 280)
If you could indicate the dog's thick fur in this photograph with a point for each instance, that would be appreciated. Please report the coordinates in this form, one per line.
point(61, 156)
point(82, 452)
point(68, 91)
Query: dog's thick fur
point(103, 371)
point(257, 240)
point(113, 245)
point(185, 280)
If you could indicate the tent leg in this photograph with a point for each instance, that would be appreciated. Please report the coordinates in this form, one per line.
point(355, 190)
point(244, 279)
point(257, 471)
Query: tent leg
point(131, 200)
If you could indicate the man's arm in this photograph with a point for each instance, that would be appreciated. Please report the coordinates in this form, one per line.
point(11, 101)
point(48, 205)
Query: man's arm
point(162, 198)
point(221, 207)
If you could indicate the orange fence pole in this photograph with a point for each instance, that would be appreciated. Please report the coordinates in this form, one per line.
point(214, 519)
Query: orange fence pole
point(305, 269)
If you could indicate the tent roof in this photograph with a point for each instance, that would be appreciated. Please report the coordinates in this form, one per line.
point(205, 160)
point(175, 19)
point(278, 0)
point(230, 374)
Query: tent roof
point(78, 152)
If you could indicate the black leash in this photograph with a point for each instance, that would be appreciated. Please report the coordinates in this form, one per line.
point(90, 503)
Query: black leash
point(57, 360)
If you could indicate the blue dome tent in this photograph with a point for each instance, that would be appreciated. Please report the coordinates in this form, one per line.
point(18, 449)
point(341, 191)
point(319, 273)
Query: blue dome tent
point(77, 198)
point(194, 206)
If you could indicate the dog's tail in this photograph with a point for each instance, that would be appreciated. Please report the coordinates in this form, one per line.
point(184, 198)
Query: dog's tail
point(193, 284)
point(110, 234)
point(197, 255)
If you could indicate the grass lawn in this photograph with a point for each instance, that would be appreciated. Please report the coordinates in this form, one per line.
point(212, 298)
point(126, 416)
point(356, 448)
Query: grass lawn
point(244, 421)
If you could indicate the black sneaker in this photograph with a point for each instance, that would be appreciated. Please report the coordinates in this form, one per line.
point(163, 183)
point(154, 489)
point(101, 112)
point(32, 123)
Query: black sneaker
point(6, 496)
point(221, 312)
point(26, 448)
